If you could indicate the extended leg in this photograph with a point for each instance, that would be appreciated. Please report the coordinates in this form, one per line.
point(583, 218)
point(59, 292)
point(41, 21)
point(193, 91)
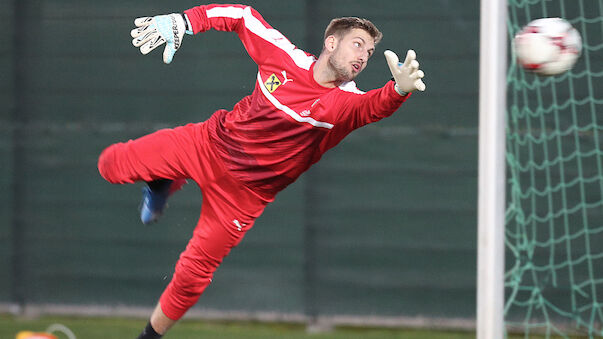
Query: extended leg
point(227, 213)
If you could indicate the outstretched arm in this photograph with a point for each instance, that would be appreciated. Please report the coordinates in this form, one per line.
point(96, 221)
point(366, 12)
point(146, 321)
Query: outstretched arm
point(259, 38)
point(382, 102)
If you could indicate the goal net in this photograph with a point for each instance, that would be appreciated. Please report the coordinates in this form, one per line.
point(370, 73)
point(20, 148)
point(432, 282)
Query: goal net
point(554, 215)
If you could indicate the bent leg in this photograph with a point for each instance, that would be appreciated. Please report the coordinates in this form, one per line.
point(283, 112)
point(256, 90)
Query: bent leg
point(165, 154)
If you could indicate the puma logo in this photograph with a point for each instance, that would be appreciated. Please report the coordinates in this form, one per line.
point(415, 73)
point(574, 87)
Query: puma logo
point(284, 73)
point(239, 225)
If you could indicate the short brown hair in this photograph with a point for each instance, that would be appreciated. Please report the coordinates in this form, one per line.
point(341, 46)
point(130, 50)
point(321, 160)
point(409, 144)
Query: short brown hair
point(340, 26)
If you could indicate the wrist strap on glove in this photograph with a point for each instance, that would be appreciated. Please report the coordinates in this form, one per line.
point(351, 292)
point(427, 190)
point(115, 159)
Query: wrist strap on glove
point(187, 24)
point(397, 89)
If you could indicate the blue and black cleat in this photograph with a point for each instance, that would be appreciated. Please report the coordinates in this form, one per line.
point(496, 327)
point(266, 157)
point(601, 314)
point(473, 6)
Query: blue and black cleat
point(154, 198)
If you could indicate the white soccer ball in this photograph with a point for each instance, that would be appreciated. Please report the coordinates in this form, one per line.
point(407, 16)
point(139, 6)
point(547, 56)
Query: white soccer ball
point(548, 46)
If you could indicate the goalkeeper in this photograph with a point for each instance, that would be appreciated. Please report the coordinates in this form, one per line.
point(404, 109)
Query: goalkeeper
point(301, 107)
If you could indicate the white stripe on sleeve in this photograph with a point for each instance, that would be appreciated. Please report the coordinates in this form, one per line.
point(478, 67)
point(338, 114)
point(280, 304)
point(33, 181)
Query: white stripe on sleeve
point(225, 12)
point(269, 34)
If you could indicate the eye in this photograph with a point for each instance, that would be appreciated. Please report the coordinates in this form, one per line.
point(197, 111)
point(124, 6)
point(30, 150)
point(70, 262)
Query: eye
point(356, 44)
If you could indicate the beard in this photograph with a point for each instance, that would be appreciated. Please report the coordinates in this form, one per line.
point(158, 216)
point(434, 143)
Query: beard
point(341, 72)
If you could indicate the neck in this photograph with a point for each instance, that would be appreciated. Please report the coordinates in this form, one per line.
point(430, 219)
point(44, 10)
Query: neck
point(323, 73)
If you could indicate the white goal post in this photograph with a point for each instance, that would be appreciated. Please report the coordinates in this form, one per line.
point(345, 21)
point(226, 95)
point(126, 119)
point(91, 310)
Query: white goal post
point(491, 177)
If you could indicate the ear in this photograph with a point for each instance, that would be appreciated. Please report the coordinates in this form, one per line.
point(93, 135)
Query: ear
point(330, 43)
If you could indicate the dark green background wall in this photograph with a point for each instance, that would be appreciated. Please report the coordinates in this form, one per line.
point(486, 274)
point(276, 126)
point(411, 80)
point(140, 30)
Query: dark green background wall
point(385, 224)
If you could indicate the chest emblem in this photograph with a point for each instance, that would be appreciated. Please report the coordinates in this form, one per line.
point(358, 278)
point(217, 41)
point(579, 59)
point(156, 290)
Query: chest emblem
point(272, 83)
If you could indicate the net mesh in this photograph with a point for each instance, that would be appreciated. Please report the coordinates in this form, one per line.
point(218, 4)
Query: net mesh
point(554, 217)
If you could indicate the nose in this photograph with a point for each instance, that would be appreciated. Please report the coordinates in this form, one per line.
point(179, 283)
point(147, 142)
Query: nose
point(364, 55)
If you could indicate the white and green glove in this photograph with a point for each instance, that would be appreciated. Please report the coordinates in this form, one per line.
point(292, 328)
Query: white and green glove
point(407, 75)
point(152, 32)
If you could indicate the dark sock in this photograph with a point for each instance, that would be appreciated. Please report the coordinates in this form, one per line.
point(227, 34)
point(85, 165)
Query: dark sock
point(159, 184)
point(149, 333)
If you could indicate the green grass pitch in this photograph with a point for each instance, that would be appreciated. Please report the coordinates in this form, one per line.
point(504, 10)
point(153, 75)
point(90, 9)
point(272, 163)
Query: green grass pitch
point(129, 328)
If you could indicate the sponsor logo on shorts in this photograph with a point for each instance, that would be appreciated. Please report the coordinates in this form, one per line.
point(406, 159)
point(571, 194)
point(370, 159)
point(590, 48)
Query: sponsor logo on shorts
point(239, 225)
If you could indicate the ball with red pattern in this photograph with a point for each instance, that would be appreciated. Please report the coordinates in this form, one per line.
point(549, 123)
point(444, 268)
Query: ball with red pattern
point(547, 46)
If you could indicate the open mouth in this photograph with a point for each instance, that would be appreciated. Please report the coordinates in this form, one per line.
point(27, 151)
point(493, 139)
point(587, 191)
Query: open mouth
point(356, 67)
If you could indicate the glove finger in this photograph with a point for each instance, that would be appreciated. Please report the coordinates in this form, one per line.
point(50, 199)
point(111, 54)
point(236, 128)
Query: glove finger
point(152, 44)
point(420, 85)
point(138, 31)
point(410, 57)
point(143, 21)
point(168, 53)
point(417, 75)
point(141, 39)
point(414, 65)
point(141, 30)
point(392, 61)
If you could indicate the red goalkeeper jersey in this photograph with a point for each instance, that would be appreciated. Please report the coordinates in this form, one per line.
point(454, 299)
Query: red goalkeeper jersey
point(289, 121)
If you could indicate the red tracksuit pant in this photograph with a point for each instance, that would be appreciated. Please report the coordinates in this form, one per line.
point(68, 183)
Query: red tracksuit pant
point(228, 209)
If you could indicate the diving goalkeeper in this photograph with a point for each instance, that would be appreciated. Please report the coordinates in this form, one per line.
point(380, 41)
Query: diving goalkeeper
point(301, 107)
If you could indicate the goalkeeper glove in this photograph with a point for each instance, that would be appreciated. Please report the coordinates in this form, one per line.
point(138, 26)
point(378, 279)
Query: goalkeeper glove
point(151, 32)
point(407, 75)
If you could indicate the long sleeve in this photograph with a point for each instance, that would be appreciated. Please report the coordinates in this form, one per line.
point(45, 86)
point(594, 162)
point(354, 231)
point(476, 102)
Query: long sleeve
point(373, 105)
point(259, 38)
